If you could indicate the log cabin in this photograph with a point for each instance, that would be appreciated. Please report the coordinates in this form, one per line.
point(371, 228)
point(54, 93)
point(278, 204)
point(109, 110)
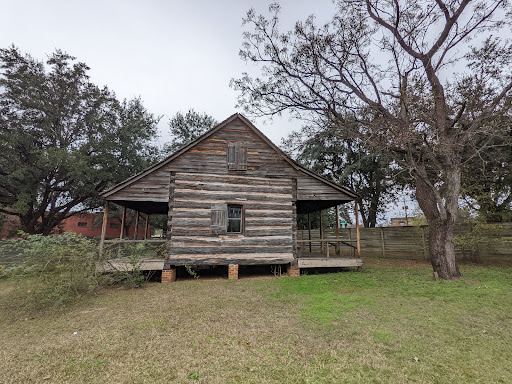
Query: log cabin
point(232, 198)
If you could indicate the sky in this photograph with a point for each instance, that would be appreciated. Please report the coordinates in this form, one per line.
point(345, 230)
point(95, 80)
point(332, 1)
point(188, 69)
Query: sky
point(174, 55)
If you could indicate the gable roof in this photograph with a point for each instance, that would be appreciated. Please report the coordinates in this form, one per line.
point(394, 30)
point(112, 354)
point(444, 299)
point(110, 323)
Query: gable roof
point(209, 133)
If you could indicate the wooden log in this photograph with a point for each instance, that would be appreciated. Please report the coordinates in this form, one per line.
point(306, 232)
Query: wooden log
point(208, 250)
point(187, 195)
point(249, 213)
point(206, 204)
point(249, 232)
point(228, 186)
point(230, 238)
point(226, 259)
point(234, 179)
point(215, 242)
point(338, 262)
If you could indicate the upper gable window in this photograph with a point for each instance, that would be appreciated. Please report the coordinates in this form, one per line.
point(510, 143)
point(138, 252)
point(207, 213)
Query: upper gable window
point(237, 156)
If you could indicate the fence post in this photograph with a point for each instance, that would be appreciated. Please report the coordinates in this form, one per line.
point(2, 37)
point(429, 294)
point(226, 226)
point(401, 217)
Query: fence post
point(321, 233)
point(350, 238)
point(383, 242)
point(425, 253)
point(337, 230)
point(358, 234)
point(309, 231)
point(123, 219)
point(136, 231)
point(104, 228)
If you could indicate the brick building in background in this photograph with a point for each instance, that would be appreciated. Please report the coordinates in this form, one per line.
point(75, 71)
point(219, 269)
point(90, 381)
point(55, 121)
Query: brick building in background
point(85, 224)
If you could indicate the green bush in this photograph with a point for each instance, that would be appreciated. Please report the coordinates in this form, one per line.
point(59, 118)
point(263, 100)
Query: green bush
point(133, 256)
point(55, 269)
point(60, 269)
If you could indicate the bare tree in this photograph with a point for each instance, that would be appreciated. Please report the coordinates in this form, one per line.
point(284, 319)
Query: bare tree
point(437, 82)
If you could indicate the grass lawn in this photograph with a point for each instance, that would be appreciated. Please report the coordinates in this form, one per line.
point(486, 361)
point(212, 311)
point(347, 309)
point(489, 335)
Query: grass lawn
point(388, 324)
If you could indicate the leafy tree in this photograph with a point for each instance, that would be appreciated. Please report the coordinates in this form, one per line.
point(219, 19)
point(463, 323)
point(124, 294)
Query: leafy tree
point(186, 128)
point(63, 139)
point(348, 162)
point(395, 58)
point(487, 183)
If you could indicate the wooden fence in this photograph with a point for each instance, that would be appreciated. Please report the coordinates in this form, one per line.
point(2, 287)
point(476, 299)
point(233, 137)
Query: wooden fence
point(489, 244)
point(482, 244)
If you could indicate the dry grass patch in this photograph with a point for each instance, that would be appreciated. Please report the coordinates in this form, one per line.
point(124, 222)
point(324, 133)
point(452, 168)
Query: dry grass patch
point(385, 325)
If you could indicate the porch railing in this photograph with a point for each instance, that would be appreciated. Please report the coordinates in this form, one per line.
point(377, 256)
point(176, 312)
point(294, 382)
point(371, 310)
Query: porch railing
point(326, 243)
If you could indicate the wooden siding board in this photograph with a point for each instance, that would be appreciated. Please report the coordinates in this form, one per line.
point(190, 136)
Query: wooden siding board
point(309, 188)
point(209, 155)
point(255, 250)
point(226, 259)
point(267, 236)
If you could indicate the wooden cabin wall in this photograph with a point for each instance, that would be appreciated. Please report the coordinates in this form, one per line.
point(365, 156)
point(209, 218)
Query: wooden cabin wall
point(210, 157)
point(309, 188)
point(153, 187)
point(269, 220)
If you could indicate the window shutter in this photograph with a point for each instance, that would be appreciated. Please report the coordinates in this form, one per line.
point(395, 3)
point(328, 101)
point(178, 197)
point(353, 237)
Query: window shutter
point(232, 155)
point(241, 160)
point(237, 156)
point(218, 223)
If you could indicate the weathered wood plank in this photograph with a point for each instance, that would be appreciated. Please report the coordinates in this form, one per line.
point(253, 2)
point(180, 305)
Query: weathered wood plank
point(249, 205)
point(228, 193)
point(124, 265)
point(226, 259)
point(329, 263)
point(243, 241)
point(186, 200)
point(225, 249)
point(230, 238)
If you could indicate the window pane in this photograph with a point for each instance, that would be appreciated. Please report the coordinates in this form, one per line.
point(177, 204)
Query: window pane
point(234, 225)
point(234, 212)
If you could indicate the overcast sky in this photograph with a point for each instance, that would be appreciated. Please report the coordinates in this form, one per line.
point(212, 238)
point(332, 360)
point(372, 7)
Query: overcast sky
point(175, 55)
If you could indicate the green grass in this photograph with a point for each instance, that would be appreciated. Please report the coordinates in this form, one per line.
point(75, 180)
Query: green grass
point(389, 324)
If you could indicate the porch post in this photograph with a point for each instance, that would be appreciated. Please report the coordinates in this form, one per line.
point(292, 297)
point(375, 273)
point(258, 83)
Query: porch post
point(104, 227)
point(309, 231)
point(358, 236)
point(136, 231)
point(337, 230)
point(147, 227)
point(121, 232)
point(322, 247)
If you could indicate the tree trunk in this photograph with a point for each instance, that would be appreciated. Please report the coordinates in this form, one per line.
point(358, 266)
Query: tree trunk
point(442, 250)
point(441, 220)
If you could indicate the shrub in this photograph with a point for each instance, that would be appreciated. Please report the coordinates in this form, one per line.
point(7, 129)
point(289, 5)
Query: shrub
point(60, 269)
point(133, 257)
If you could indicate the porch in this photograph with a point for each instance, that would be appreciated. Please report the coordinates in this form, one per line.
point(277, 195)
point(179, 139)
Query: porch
point(315, 247)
